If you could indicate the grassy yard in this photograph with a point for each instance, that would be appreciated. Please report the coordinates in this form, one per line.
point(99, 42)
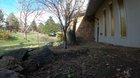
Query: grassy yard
point(34, 39)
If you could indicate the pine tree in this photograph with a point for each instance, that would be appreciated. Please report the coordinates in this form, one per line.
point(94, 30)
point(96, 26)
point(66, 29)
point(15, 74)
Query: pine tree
point(12, 22)
point(51, 26)
point(33, 26)
point(1, 15)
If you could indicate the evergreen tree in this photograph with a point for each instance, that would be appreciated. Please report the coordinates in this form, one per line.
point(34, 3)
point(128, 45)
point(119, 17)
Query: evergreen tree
point(51, 26)
point(12, 22)
point(40, 27)
point(1, 16)
point(33, 26)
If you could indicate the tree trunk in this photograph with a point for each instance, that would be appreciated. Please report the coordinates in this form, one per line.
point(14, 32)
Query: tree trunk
point(25, 35)
point(65, 39)
point(38, 37)
point(72, 35)
point(25, 27)
point(73, 41)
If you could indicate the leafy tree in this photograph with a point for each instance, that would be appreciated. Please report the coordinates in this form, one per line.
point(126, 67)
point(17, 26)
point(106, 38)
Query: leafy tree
point(12, 22)
point(51, 26)
point(40, 27)
point(33, 26)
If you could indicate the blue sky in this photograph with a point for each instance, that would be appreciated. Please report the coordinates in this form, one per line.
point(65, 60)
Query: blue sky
point(8, 6)
point(11, 6)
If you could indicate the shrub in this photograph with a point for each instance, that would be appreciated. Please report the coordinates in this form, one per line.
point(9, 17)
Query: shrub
point(59, 36)
point(5, 35)
point(57, 43)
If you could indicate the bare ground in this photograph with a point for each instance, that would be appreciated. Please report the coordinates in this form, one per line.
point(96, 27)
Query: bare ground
point(92, 60)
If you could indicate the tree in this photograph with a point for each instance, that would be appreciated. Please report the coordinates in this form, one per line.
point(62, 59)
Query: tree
point(27, 8)
point(1, 18)
point(12, 23)
point(33, 26)
point(26, 11)
point(51, 26)
point(65, 11)
point(40, 27)
point(72, 31)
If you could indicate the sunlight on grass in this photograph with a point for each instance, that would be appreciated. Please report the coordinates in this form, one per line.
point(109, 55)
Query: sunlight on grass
point(34, 40)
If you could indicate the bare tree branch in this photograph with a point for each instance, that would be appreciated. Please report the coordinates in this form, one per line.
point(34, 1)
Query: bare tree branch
point(65, 10)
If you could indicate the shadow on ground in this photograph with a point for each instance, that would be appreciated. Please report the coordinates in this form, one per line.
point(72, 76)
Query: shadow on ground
point(89, 60)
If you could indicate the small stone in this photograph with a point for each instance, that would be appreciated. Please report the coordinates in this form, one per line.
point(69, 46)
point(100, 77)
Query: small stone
point(118, 69)
point(5, 73)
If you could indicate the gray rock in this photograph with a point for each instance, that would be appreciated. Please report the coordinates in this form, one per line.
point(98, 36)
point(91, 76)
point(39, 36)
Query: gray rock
point(9, 62)
point(44, 56)
point(5, 73)
point(30, 66)
point(21, 54)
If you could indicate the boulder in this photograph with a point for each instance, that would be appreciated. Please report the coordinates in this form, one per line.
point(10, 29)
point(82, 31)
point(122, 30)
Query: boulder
point(43, 56)
point(11, 63)
point(5, 73)
point(21, 54)
point(29, 66)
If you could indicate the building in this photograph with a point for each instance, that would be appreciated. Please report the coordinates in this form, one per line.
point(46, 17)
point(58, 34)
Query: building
point(113, 21)
point(76, 21)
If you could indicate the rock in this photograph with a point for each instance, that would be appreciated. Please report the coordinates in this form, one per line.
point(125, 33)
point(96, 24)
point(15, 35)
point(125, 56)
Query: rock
point(11, 63)
point(30, 66)
point(5, 73)
point(45, 56)
point(21, 54)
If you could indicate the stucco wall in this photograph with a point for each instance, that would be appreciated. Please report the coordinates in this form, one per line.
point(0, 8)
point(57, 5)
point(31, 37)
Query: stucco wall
point(133, 24)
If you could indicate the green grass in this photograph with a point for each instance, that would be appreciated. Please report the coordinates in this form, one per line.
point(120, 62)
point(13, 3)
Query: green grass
point(34, 39)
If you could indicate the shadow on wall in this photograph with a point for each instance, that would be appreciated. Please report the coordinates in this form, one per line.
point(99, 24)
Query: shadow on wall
point(85, 32)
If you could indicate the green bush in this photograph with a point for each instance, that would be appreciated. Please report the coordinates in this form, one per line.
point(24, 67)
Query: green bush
point(57, 43)
point(59, 36)
point(5, 35)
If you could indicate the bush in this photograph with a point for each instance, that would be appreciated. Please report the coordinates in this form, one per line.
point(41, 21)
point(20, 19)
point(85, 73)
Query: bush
point(5, 35)
point(59, 36)
point(57, 43)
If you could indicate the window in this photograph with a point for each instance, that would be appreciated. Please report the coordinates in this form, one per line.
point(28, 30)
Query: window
point(122, 18)
point(105, 21)
point(112, 19)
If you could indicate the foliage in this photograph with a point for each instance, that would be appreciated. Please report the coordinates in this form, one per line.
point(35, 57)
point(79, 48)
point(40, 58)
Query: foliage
point(12, 22)
point(5, 35)
point(59, 36)
point(40, 27)
point(51, 26)
point(58, 43)
point(33, 39)
point(65, 11)
point(1, 15)
point(28, 8)
point(33, 26)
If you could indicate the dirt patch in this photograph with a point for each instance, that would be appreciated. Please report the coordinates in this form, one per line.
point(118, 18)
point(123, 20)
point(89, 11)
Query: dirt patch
point(92, 60)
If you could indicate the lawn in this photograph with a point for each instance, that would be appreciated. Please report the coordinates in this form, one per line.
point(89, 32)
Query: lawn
point(34, 39)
